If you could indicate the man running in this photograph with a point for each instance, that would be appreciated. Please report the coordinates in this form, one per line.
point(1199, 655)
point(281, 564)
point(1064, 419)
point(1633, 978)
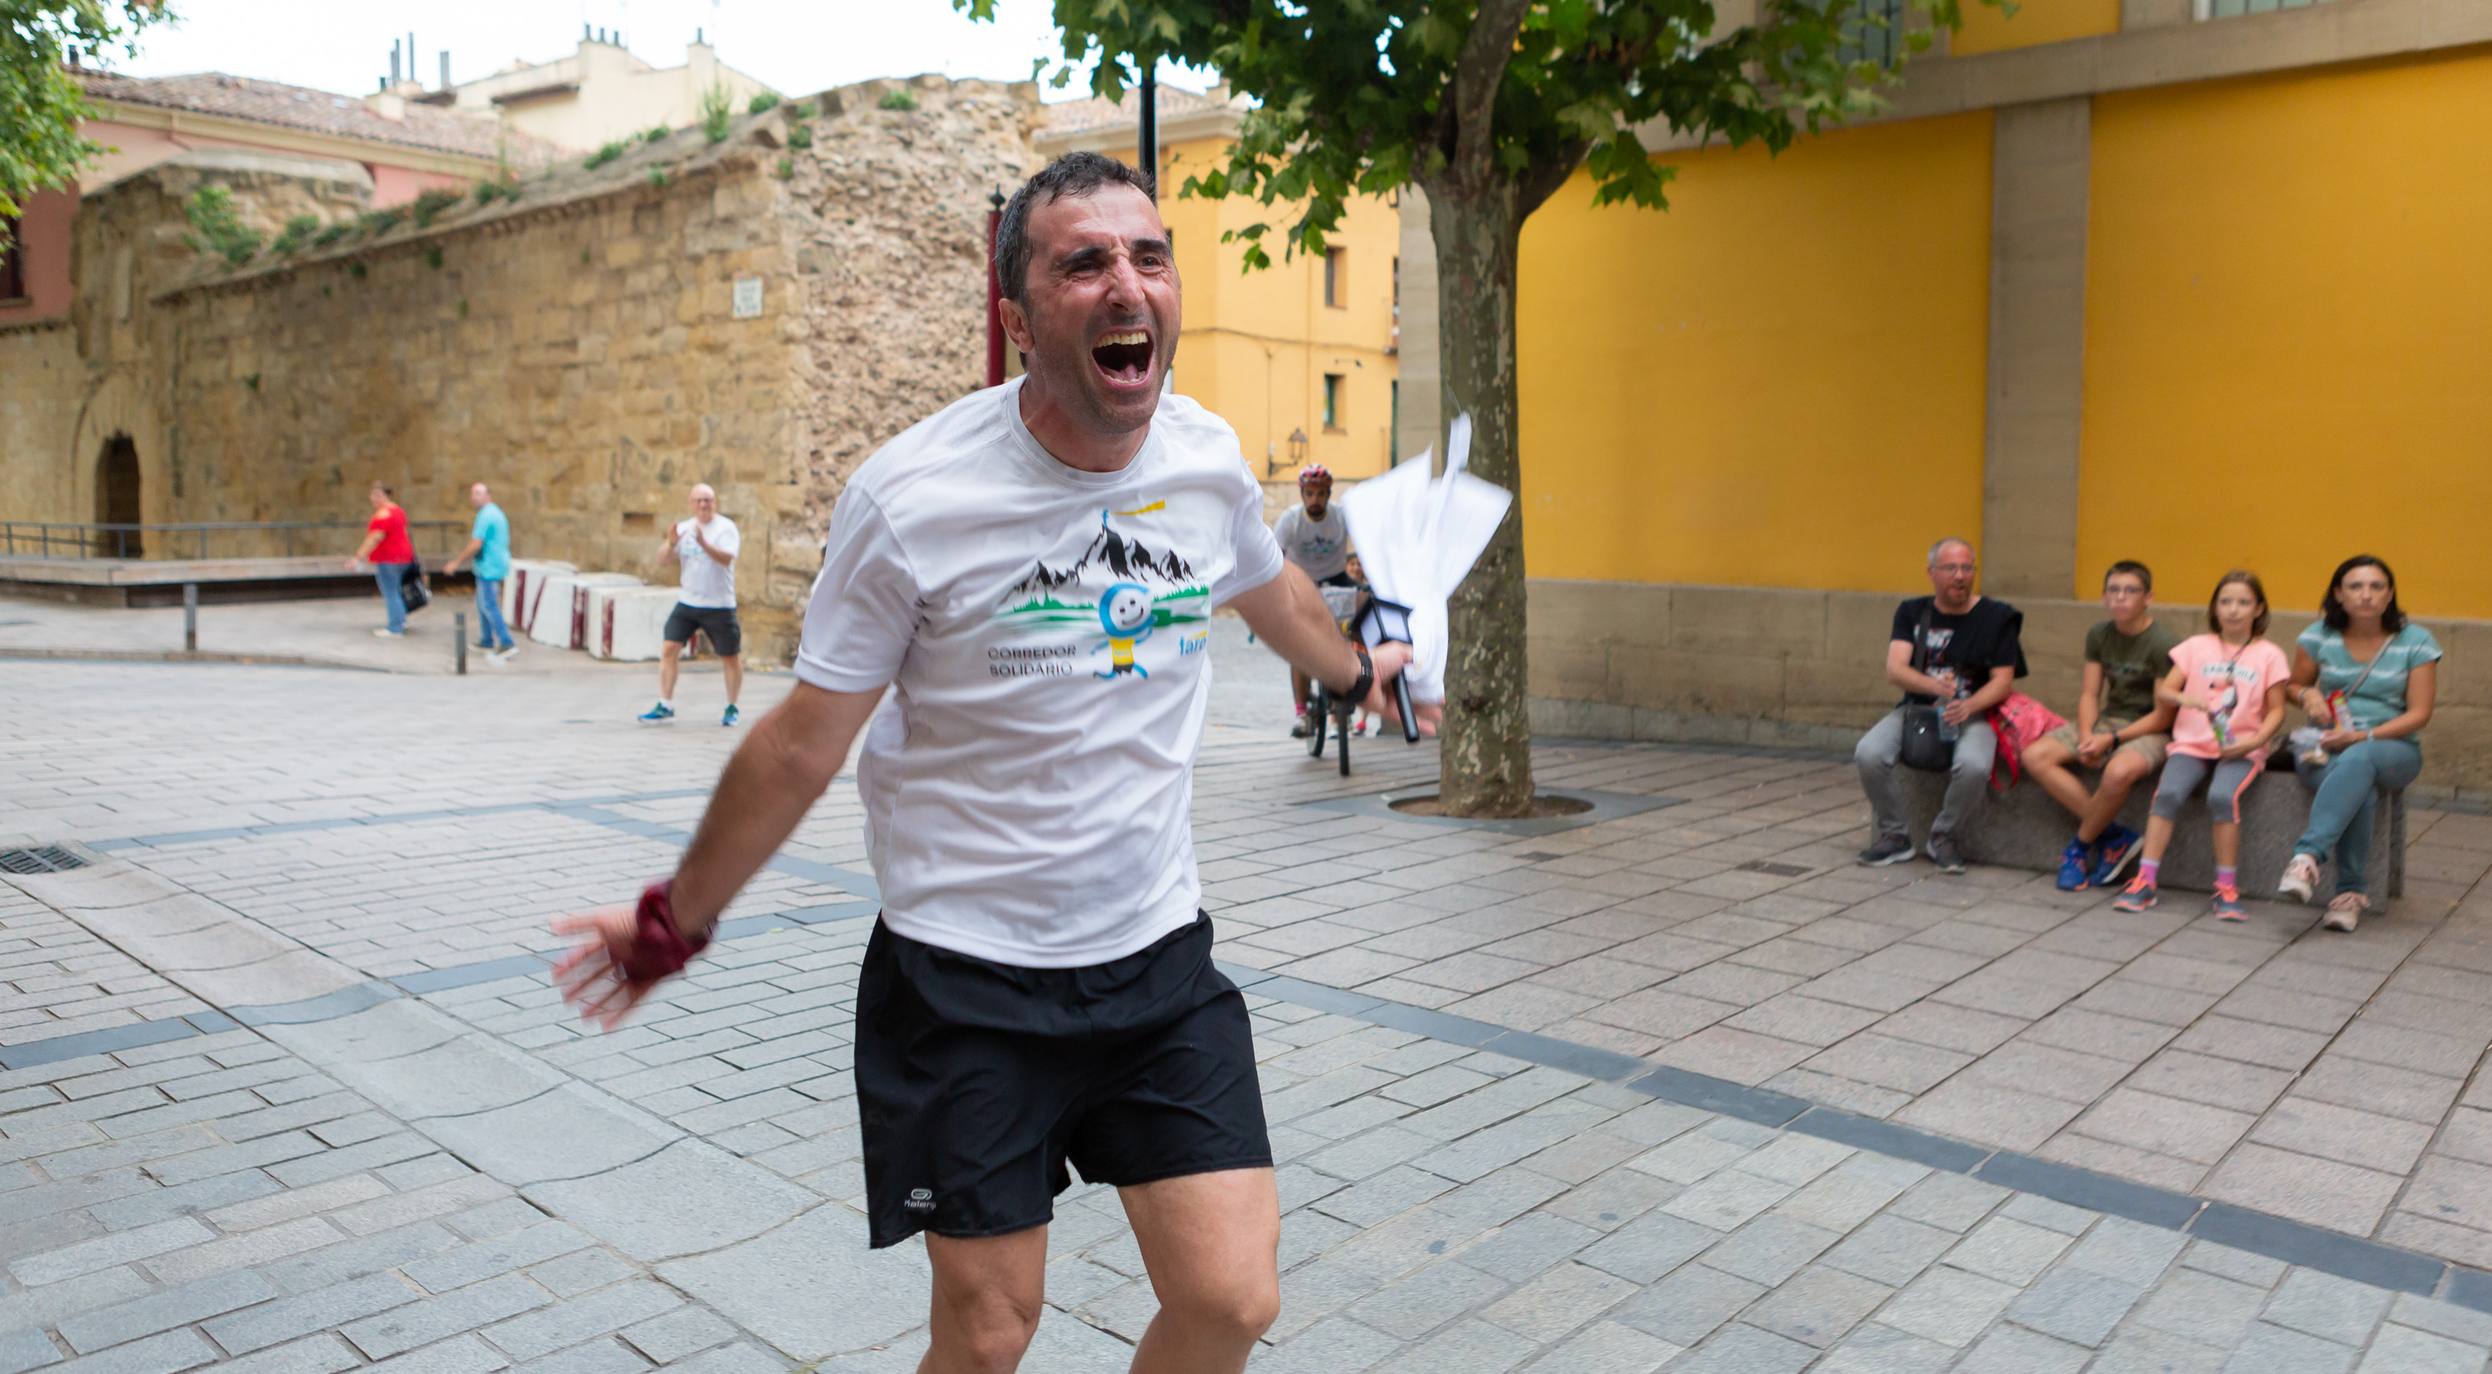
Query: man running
point(1315, 538)
point(489, 543)
point(705, 546)
point(1039, 991)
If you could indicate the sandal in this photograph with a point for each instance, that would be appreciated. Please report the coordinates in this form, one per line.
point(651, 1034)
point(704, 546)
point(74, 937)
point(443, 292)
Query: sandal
point(2301, 878)
point(2345, 911)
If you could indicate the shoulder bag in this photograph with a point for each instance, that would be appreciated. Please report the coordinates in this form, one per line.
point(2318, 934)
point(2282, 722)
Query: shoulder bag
point(1923, 748)
point(411, 587)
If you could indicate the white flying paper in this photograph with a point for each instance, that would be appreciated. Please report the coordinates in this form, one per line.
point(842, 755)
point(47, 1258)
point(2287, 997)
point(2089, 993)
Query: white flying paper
point(1417, 537)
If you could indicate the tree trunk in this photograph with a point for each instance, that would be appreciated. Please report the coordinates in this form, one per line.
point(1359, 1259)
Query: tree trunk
point(1487, 768)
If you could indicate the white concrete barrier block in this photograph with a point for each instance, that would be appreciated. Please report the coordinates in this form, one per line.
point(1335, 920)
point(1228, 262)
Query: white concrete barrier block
point(628, 624)
point(562, 614)
point(524, 590)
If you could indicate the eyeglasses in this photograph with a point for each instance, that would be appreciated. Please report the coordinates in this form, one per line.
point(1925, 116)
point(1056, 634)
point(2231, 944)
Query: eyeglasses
point(1951, 567)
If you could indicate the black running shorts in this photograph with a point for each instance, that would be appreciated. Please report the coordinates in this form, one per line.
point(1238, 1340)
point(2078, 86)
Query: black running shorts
point(718, 622)
point(978, 1082)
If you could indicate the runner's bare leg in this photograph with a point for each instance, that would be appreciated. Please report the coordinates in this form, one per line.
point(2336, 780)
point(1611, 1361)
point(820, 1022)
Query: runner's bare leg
point(988, 1291)
point(1212, 1245)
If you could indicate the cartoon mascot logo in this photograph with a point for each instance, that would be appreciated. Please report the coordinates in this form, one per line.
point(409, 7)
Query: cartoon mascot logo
point(1125, 613)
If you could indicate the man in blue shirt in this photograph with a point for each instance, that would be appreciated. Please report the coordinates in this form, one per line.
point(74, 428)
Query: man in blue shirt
point(489, 543)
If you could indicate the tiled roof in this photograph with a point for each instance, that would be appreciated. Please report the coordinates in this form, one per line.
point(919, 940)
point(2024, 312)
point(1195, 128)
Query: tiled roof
point(321, 112)
point(1090, 112)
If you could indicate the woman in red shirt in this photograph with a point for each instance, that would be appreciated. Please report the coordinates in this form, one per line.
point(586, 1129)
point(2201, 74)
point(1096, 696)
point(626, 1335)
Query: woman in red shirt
point(389, 549)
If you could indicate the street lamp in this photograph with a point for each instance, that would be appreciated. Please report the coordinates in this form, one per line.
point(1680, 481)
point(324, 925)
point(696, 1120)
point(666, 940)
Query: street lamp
point(1297, 448)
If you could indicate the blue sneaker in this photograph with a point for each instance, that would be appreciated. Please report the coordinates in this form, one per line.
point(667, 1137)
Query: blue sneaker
point(733, 715)
point(2118, 847)
point(2076, 866)
point(657, 713)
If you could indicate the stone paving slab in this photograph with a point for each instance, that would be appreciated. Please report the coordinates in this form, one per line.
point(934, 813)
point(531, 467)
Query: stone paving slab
point(1763, 1245)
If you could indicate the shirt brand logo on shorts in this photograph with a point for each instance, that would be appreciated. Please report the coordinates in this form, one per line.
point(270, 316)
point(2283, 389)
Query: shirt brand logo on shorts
point(920, 1200)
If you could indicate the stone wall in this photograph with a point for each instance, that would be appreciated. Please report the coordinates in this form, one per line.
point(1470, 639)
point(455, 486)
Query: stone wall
point(580, 357)
point(886, 226)
point(41, 365)
point(1759, 665)
point(579, 348)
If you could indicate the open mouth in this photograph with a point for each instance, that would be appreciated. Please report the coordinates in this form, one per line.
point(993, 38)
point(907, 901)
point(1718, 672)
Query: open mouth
point(1124, 356)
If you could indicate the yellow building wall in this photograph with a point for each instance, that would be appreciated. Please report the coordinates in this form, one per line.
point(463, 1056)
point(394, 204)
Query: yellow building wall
point(2289, 309)
point(1255, 347)
point(1779, 382)
point(1988, 28)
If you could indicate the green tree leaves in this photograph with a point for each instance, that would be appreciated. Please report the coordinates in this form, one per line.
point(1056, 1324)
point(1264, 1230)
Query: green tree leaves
point(41, 104)
point(1362, 96)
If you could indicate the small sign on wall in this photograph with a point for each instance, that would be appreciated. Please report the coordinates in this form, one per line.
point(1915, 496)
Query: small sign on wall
point(748, 298)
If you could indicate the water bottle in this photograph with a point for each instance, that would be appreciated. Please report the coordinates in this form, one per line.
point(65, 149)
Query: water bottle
point(1948, 730)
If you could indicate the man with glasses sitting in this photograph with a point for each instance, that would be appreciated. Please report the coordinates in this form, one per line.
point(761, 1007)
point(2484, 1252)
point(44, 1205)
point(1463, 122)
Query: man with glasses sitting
point(1958, 652)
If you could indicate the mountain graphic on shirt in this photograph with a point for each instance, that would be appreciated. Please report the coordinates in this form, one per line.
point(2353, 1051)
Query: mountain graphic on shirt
point(1069, 597)
point(1127, 560)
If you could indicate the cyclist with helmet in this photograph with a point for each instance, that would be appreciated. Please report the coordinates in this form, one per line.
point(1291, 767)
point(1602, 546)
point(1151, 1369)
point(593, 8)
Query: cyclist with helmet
point(1316, 537)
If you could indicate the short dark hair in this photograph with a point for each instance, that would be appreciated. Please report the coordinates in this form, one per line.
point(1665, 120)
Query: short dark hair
point(2257, 588)
point(1074, 174)
point(2144, 575)
point(386, 489)
point(2333, 610)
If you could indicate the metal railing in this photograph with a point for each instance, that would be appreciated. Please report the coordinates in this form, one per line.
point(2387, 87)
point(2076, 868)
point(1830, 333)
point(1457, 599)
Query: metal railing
point(208, 539)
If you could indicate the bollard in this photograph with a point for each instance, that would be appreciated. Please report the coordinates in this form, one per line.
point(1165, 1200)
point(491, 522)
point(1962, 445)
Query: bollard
point(190, 617)
point(458, 622)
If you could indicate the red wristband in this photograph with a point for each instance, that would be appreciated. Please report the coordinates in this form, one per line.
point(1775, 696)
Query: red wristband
point(658, 948)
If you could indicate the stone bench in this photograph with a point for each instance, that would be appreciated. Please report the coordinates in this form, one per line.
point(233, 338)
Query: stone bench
point(2024, 828)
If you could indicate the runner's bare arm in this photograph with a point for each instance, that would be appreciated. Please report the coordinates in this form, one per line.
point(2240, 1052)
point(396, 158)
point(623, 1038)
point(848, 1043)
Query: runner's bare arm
point(773, 779)
point(1289, 614)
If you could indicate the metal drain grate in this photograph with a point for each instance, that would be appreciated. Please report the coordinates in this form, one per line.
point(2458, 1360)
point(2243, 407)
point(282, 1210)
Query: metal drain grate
point(50, 858)
point(1775, 869)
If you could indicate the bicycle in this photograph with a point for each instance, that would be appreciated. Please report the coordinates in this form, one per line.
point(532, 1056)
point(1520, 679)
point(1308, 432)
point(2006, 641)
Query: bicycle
point(1374, 621)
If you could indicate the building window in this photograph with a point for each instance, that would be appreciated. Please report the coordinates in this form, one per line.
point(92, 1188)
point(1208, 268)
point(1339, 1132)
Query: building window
point(1332, 402)
point(2229, 9)
point(12, 262)
point(1336, 277)
point(1873, 32)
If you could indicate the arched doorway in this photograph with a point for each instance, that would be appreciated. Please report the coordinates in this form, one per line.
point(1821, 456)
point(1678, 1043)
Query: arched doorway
point(116, 499)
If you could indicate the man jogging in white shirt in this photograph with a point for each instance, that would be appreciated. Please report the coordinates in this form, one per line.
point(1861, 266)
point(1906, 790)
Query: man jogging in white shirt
point(1031, 571)
point(706, 546)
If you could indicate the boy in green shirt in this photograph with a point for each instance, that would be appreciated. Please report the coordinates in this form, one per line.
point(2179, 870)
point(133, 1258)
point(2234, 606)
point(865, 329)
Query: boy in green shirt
point(2119, 729)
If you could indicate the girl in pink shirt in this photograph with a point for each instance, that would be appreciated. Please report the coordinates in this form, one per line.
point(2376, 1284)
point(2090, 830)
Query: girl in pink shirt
point(2228, 689)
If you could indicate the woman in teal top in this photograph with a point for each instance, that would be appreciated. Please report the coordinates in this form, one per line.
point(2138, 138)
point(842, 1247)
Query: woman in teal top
point(2367, 676)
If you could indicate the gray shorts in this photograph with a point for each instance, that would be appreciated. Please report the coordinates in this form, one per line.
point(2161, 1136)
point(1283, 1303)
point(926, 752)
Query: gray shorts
point(2230, 778)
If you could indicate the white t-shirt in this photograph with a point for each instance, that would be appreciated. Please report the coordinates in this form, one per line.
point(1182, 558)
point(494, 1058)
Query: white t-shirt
point(1047, 632)
point(1320, 547)
point(707, 582)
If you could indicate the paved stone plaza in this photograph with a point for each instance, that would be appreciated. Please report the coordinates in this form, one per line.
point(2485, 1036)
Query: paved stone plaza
point(283, 1086)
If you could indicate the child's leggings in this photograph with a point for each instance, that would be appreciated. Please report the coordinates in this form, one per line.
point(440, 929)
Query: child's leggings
point(2182, 773)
